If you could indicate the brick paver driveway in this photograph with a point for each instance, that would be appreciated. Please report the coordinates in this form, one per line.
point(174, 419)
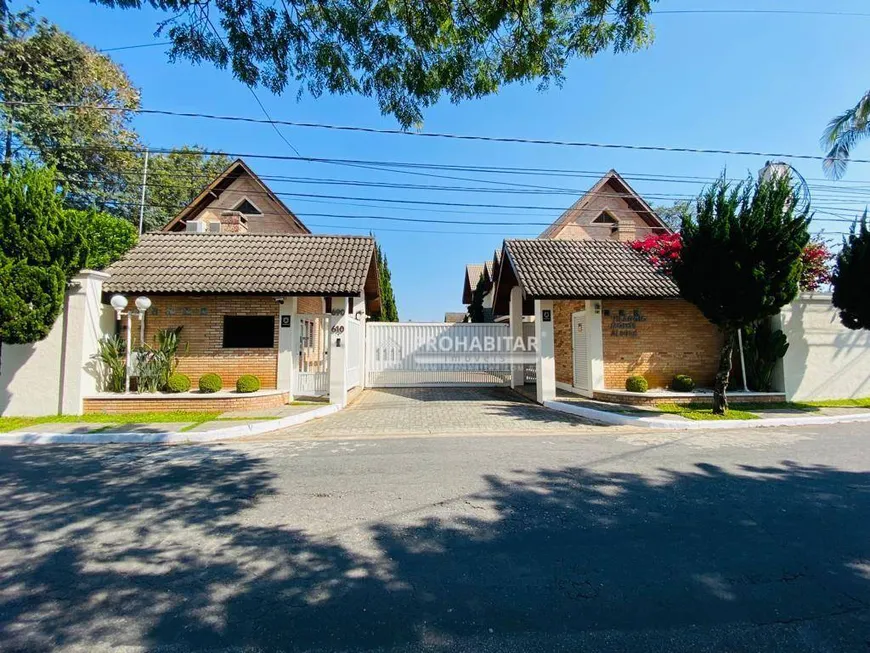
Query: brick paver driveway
point(408, 411)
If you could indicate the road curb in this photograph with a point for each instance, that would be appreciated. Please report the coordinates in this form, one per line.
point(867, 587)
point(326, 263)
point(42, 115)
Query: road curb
point(618, 419)
point(178, 437)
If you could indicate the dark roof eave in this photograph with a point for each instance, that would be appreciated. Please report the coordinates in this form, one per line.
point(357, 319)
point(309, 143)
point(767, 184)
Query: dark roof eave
point(633, 296)
point(260, 293)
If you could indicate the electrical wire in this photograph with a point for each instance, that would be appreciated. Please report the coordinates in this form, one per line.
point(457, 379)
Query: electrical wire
point(446, 135)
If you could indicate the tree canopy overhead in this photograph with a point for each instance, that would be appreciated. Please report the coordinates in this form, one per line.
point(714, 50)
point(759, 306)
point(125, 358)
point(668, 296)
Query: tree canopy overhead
point(406, 54)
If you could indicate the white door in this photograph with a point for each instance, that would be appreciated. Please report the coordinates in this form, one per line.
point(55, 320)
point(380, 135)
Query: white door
point(581, 351)
point(312, 355)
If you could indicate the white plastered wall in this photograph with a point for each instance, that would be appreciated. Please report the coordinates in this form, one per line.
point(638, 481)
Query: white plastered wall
point(825, 360)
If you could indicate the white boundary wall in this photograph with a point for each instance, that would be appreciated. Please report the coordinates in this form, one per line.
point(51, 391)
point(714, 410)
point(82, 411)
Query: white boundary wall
point(391, 349)
point(825, 360)
point(54, 375)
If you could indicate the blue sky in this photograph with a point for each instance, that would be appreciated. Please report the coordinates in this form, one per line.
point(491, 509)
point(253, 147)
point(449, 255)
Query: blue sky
point(756, 82)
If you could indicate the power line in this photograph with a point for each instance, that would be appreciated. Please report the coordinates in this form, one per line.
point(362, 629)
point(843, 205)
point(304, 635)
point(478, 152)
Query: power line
point(251, 89)
point(446, 135)
point(134, 47)
point(781, 12)
point(400, 201)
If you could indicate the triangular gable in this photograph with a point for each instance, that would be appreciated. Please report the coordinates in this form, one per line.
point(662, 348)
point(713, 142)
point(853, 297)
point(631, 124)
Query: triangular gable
point(640, 207)
point(472, 276)
point(222, 182)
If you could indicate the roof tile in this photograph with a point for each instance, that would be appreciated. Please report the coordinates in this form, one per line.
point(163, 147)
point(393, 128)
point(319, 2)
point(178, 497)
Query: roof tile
point(244, 263)
point(590, 269)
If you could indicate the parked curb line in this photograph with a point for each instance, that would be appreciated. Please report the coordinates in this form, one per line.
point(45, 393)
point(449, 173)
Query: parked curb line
point(617, 419)
point(229, 433)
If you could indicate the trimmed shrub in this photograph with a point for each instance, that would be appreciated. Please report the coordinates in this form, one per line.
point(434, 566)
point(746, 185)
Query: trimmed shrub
point(210, 383)
point(248, 383)
point(636, 384)
point(178, 383)
point(682, 383)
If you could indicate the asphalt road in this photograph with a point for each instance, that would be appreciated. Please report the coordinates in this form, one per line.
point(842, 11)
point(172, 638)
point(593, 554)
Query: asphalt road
point(607, 541)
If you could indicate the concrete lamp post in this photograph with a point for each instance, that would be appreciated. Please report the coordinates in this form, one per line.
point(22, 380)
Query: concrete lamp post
point(119, 303)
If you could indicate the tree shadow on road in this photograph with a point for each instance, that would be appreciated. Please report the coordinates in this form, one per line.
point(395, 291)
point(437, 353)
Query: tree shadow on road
point(156, 548)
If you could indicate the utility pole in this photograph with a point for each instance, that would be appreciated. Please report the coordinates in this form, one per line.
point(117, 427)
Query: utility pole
point(142, 200)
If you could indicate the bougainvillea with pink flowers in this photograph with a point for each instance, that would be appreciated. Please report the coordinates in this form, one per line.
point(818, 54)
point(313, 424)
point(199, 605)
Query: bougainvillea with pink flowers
point(662, 250)
point(815, 265)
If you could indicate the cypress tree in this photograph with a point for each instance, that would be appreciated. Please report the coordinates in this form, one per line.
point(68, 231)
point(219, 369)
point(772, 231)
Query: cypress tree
point(740, 259)
point(851, 278)
point(40, 250)
point(475, 308)
point(389, 312)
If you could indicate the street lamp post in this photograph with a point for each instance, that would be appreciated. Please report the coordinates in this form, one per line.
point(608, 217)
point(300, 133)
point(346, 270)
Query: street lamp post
point(119, 303)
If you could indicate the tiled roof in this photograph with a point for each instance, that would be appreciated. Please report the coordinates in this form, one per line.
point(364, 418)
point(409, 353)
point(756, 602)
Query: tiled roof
point(586, 269)
point(244, 263)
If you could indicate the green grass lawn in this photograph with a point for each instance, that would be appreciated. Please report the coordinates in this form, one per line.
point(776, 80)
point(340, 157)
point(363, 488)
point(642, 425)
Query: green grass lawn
point(192, 417)
point(703, 412)
point(699, 411)
point(838, 403)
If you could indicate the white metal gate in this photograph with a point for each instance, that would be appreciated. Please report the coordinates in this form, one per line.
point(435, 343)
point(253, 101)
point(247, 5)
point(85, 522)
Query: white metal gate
point(354, 352)
point(311, 335)
point(396, 354)
point(529, 369)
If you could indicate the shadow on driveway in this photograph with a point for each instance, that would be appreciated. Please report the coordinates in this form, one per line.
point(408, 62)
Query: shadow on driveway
point(127, 546)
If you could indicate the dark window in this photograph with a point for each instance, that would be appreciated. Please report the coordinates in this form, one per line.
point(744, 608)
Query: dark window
point(249, 331)
point(247, 208)
point(605, 218)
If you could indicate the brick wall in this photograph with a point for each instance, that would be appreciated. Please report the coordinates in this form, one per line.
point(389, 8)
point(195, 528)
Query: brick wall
point(673, 338)
point(150, 403)
point(201, 348)
point(309, 305)
point(563, 344)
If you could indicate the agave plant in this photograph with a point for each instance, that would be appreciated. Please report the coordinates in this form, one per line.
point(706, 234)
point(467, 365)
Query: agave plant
point(111, 353)
point(168, 343)
point(155, 364)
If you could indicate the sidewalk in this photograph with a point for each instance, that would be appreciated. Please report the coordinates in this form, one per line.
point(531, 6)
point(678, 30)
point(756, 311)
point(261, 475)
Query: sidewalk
point(231, 424)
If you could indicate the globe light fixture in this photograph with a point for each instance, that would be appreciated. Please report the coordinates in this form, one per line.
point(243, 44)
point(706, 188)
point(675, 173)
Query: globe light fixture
point(143, 304)
point(119, 303)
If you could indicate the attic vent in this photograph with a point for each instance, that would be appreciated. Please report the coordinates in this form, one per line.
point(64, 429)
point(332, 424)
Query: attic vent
point(604, 218)
point(247, 208)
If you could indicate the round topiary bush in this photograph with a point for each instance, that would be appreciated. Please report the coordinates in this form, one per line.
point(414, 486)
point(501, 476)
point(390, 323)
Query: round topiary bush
point(178, 383)
point(636, 384)
point(682, 383)
point(248, 383)
point(210, 383)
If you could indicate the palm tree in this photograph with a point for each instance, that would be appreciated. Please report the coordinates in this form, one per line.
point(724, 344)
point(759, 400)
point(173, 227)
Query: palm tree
point(843, 133)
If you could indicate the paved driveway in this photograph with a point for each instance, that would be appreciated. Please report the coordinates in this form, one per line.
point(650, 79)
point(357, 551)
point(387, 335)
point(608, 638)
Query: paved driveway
point(410, 411)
